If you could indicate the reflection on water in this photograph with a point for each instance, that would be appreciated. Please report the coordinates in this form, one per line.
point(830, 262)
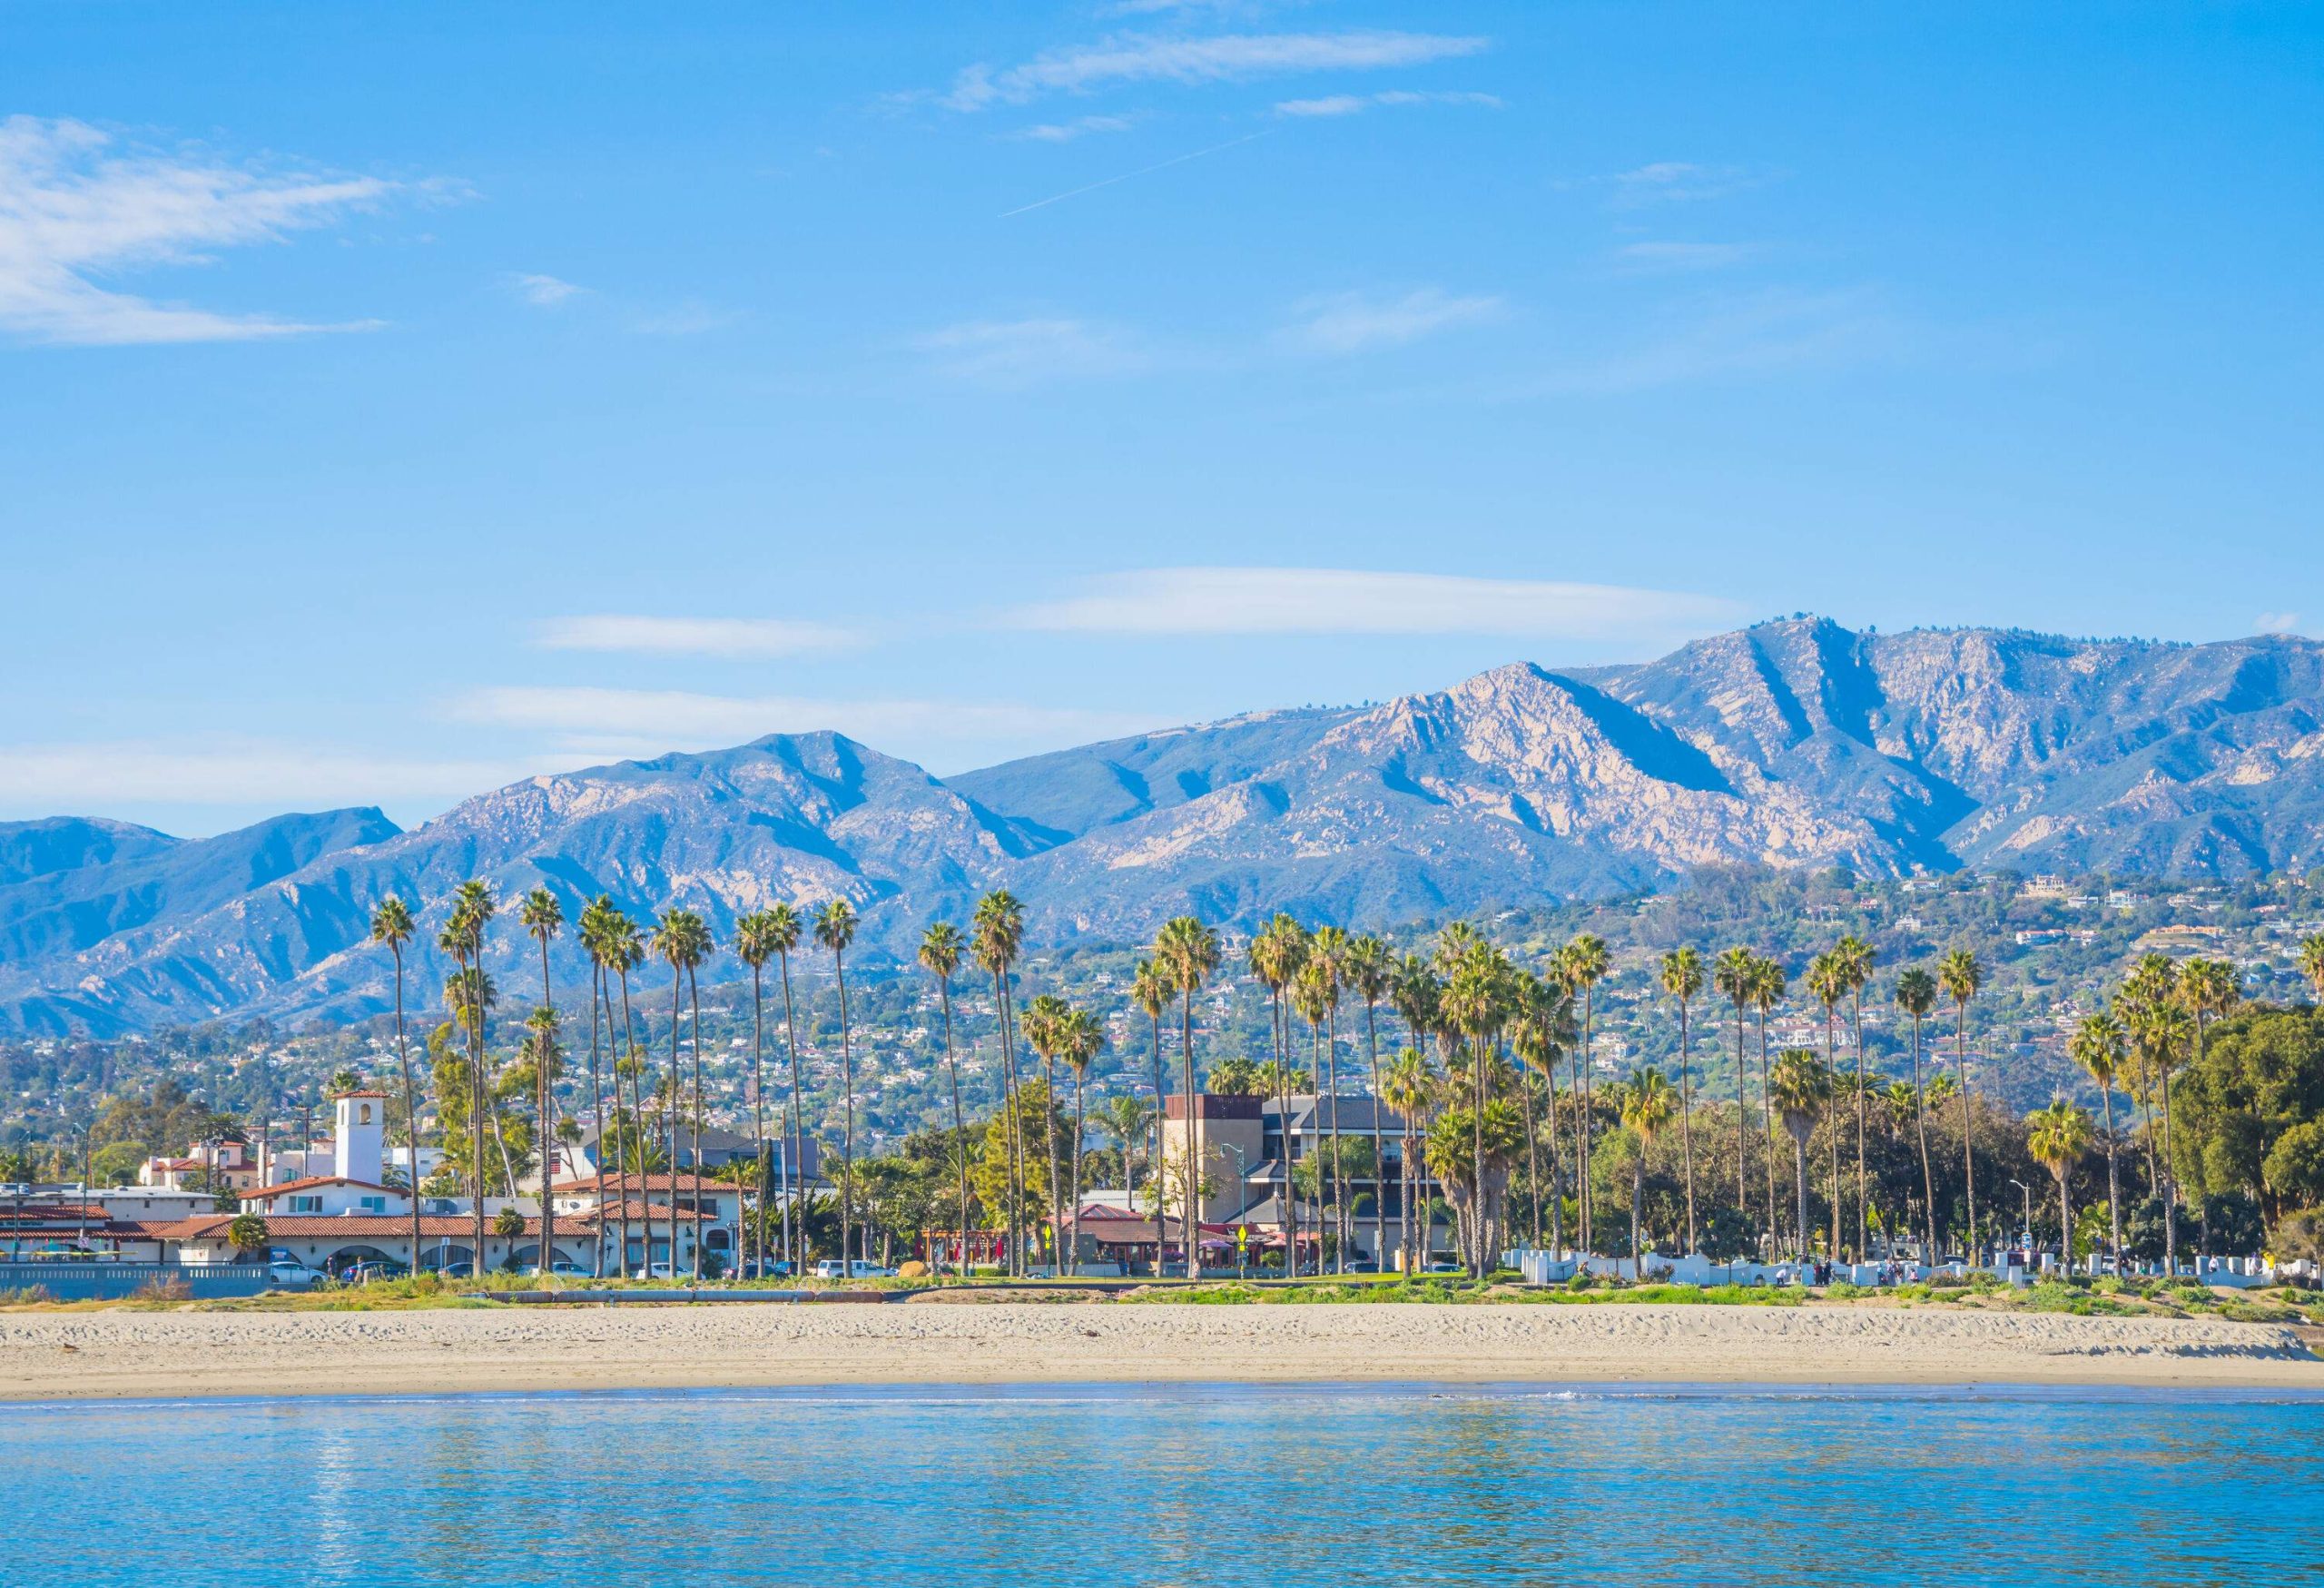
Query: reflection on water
point(1211, 1485)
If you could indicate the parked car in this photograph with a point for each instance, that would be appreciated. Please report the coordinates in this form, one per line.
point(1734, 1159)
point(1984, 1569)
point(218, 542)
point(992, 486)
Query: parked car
point(368, 1273)
point(834, 1268)
point(560, 1268)
point(286, 1272)
point(1364, 1266)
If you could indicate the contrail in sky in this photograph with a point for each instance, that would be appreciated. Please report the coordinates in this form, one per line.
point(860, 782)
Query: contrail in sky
point(1141, 171)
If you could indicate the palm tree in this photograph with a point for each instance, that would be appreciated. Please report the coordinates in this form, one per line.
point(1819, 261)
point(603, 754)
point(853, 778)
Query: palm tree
point(2311, 961)
point(1475, 1005)
point(673, 944)
point(752, 947)
point(1536, 1037)
point(999, 927)
point(783, 929)
point(1731, 977)
point(541, 1038)
point(1127, 1122)
point(392, 924)
point(1646, 1104)
point(1407, 1088)
point(2058, 1137)
point(1081, 1038)
point(1585, 963)
point(625, 950)
point(1960, 976)
point(1311, 996)
point(835, 928)
point(597, 935)
point(463, 937)
point(1150, 990)
point(1682, 979)
point(1276, 953)
point(941, 948)
point(1369, 970)
point(1917, 996)
point(1044, 1026)
point(1327, 961)
point(1800, 1087)
point(2099, 1046)
point(543, 917)
point(1417, 994)
point(1827, 978)
point(2210, 988)
point(1856, 959)
point(1188, 951)
point(1767, 993)
point(2161, 1024)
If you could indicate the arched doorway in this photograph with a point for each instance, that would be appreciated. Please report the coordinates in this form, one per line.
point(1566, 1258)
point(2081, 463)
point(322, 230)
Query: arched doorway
point(347, 1257)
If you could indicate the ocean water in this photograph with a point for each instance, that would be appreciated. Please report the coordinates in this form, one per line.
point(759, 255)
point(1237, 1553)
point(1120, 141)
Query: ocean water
point(1217, 1484)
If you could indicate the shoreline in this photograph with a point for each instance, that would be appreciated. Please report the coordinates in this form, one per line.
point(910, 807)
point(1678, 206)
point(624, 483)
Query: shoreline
point(64, 1357)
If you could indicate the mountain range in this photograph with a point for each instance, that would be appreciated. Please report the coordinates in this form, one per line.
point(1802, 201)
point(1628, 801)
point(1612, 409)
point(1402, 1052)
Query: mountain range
point(1790, 744)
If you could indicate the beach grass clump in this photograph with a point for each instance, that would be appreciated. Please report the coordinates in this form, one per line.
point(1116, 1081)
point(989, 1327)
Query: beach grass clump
point(2058, 1295)
point(26, 1296)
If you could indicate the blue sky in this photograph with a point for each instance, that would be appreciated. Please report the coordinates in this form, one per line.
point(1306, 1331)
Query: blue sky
point(391, 408)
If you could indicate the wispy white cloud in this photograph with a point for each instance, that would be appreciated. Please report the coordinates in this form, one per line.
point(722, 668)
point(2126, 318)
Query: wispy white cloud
point(1067, 132)
point(2276, 623)
point(1312, 601)
point(1348, 105)
point(1679, 258)
point(1668, 182)
point(1349, 322)
point(1748, 334)
point(1224, 58)
point(544, 291)
point(680, 718)
point(76, 208)
point(109, 775)
point(1091, 187)
point(693, 637)
point(1013, 353)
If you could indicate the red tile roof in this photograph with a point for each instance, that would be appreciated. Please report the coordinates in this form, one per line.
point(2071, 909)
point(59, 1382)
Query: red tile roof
point(311, 1182)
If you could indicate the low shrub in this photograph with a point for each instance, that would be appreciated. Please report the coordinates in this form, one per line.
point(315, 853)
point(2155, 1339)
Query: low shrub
point(163, 1288)
point(25, 1295)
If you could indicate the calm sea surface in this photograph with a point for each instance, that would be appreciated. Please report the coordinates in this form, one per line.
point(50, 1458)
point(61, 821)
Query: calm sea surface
point(1200, 1485)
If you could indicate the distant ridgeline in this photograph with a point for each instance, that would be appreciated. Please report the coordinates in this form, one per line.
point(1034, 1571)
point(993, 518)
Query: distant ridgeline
point(2053, 947)
point(1794, 747)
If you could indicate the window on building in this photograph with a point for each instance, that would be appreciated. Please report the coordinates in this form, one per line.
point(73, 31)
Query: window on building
point(304, 1204)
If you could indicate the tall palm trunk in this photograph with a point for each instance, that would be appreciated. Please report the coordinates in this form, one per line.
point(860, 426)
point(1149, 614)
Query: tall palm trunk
point(597, 1109)
point(793, 1161)
point(1767, 1123)
point(546, 1126)
point(1477, 1158)
point(694, 1030)
point(1742, 1120)
point(1073, 1249)
point(1580, 1159)
point(755, 1245)
point(1862, 1205)
point(1332, 1143)
point(2065, 1224)
point(2113, 1180)
point(670, 1121)
point(1687, 1124)
point(1968, 1126)
point(1588, 1054)
point(1920, 1124)
point(1191, 1235)
point(410, 1106)
point(2170, 1181)
point(1155, 1165)
point(1831, 1116)
point(1010, 1112)
point(1799, 1171)
point(1057, 1188)
point(1638, 1212)
point(1379, 1154)
point(846, 1132)
point(959, 1126)
point(1532, 1156)
point(474, 990)
point(635, 1146)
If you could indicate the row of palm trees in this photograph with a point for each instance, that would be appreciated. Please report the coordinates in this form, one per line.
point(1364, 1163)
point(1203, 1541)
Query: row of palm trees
point(1497, 1028)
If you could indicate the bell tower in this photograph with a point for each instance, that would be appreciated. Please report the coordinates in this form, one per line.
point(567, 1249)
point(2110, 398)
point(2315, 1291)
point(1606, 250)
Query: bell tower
point(359, 1135)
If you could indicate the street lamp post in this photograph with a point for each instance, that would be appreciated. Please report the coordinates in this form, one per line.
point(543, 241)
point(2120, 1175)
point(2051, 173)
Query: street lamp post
point(2026, 1229)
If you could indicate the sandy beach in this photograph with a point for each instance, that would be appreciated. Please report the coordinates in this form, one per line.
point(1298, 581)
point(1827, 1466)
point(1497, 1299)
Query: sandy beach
point(121, 1354)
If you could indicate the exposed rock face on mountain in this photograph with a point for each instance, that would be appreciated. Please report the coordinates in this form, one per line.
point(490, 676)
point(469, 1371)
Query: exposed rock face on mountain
point(1790, 744)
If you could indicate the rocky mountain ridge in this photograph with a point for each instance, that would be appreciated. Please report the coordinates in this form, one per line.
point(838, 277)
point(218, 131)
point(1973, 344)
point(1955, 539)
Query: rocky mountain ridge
point(1790, 744)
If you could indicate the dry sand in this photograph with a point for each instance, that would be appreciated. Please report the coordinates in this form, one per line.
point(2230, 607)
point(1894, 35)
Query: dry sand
point(95, 1355)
